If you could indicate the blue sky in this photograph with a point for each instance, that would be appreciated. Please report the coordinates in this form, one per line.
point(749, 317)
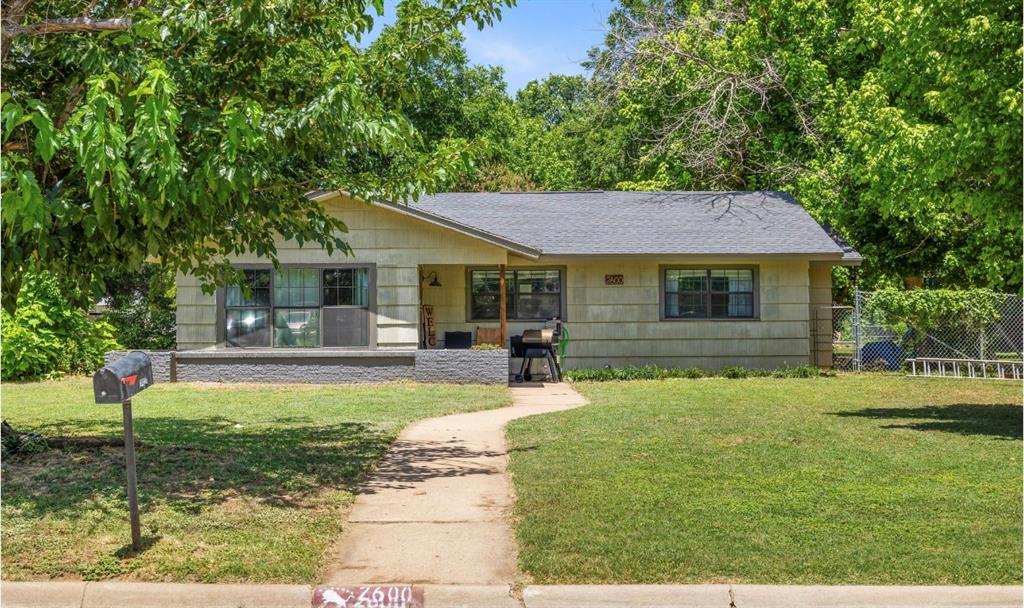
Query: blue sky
point(537, 38)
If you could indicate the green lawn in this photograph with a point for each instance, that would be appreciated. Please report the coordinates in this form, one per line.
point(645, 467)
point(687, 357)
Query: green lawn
point(853, 479)
point(237, 483)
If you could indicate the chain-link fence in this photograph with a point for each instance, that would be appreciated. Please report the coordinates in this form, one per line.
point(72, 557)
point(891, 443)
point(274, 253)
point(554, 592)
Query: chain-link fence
point(864, 338)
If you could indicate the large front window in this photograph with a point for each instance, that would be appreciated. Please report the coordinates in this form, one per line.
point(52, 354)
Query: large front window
point(299, 308)
point(533, 294)
point(709, 293)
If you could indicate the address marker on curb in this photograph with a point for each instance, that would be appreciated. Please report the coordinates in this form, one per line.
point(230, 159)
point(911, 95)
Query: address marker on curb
point(369, 596)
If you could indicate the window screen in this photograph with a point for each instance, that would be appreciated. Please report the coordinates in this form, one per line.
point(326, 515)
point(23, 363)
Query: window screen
point(346, 326)
point(346, 318)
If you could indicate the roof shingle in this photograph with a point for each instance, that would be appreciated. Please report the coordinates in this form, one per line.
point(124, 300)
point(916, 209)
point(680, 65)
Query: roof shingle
point(624, 223)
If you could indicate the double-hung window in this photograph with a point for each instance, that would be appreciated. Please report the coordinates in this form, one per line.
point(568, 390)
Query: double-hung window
point(530, 294)
point(299, 308)
point(247, 317)
point(709, 293)
point(346, 297)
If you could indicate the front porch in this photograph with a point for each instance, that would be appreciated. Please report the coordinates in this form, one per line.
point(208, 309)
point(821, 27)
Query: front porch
point(474, 307)
point(482, 309)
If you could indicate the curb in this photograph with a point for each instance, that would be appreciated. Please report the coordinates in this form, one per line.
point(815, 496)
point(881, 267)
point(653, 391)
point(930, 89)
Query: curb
point(152, 595)
point(166, 595)
point(82, 594)
point(771, 596)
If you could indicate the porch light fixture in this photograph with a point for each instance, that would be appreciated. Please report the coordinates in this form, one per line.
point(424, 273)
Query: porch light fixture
point(433, 282)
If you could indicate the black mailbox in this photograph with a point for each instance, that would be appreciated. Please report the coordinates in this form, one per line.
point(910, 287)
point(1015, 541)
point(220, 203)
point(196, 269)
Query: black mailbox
point(122, 379)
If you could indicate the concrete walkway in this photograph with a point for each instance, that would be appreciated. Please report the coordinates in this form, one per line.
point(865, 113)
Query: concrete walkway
point(436, 510)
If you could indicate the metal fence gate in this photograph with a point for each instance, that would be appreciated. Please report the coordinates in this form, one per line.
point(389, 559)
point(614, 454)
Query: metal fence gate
point(863, 339)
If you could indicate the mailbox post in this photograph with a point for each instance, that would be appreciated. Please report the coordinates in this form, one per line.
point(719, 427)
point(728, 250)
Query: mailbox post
point(118, 383)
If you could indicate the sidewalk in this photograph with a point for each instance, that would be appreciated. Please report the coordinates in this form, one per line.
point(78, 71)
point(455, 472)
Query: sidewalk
point(166, 595)
point(436, 509)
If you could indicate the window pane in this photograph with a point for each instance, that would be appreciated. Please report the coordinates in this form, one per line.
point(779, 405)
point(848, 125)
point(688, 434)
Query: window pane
point(671, 305)
point(338, 277)
point(484, 287)
point(685, 306)
point(732, 280)
point(732, 305)
point(361, 285)
point(538, 306)
point(720, 305)
point(297, 327)
point(247, 326)
point(538, 281)
point(692, 305)
point(346, 327)
point(259, 284)
point(685, 280)
point(484, 281)
point(297, 287)
point(485, 306)
point(741, 305)
point(346, 287)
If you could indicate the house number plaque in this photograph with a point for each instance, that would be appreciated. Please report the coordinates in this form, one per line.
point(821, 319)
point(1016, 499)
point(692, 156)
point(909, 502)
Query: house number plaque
point(613, 279)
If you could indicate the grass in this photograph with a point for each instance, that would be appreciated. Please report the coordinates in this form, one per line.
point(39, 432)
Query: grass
point(847, 480)
point(236, 482)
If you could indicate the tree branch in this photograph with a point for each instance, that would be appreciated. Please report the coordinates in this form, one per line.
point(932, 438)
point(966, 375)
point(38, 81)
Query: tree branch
point(76, 24)
point(15, 12)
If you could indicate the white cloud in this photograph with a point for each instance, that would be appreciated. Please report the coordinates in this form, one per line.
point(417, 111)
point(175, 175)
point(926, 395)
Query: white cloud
point(522, 63)
point(493, 51)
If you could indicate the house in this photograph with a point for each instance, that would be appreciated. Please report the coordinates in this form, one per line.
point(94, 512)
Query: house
point(701, 279)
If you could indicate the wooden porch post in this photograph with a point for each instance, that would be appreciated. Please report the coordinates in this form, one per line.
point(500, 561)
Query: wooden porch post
point(501, 302)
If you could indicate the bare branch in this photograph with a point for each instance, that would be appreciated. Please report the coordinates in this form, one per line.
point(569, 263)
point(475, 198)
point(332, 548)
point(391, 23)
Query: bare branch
point(711, 115)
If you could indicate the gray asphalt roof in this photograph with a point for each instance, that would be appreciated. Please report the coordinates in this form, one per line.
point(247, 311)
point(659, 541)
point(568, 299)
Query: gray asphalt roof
point(597, 223)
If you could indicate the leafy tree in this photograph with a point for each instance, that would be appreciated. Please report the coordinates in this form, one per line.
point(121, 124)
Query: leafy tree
point(48, 336)
point(190, 130)
point(496, 177)
point(556, 99)
point(899, 122)
point(924, 127)
point(141, 307)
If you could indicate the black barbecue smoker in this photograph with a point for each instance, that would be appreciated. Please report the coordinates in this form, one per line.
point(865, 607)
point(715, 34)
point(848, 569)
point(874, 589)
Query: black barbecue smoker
point(538, 344)
point(118, 383)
